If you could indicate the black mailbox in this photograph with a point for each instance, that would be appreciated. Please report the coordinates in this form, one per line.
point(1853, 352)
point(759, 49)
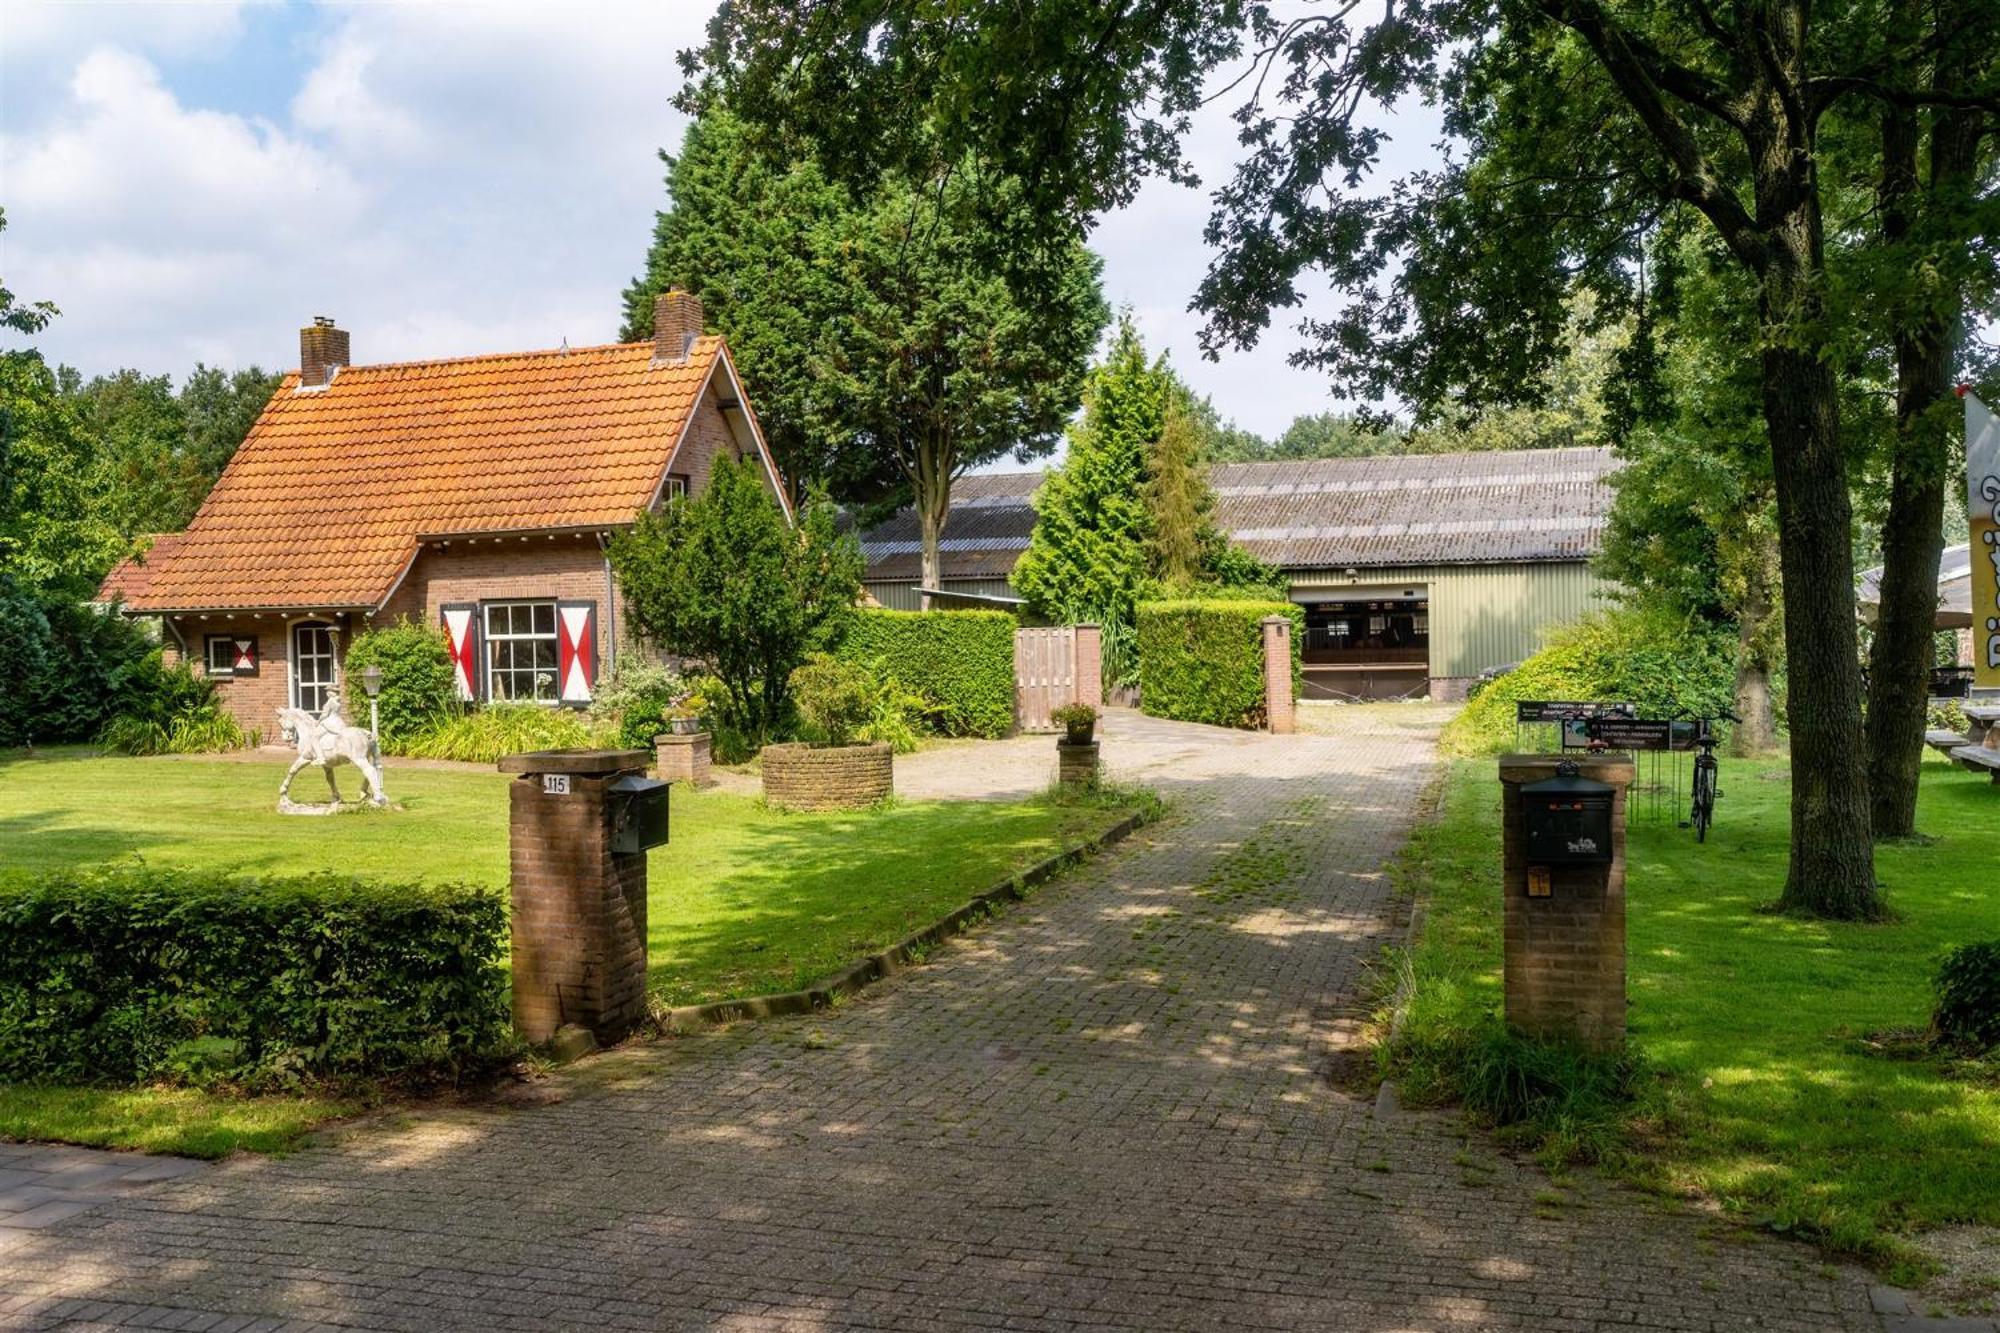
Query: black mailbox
point(1567, 819)
point(638, 813)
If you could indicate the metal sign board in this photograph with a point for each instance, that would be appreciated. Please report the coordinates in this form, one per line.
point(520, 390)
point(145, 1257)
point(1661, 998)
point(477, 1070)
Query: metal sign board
point(1542, 710)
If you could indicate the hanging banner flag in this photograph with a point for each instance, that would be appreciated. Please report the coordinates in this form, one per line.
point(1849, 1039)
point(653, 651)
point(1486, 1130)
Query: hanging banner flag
point(1982, 484)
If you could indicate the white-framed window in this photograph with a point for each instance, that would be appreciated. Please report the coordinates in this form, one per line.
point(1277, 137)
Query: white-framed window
point(219, 655)
point(676, 487)
point(521, 655)
point(313, 665)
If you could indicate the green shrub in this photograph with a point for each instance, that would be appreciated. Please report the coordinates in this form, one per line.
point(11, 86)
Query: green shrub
point(1967, 1014)
point(140, 974)
point(170, 710)
point(1203, 661)
point(419, 680)
point(835, 699)
point(636, 699)
point(1946, 715)
point(485, 735)
point(959, 664)
point(1651, 659)
point(69, 667)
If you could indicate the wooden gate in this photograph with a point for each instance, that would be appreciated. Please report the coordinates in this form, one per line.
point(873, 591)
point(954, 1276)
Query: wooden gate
point(1044, 675)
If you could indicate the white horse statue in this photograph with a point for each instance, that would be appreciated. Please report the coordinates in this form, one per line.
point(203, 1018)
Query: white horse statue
point(325, 738)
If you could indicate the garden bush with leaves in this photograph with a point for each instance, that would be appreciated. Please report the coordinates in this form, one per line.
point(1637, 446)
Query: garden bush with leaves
point(1203, 660)
point(1652, 659)
point(142, 974)
point(170, 710)
point(959, 664)
point(69, 667)
point(635, 700)
point(1967, 1015)
point(419, 680)
point(839, 702)
point(484, 735)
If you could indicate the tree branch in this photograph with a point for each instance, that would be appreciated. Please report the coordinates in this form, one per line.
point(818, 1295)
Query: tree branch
point(1629, 63)
point(1825, 91)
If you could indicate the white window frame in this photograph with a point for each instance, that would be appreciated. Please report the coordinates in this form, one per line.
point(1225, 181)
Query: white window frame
point(493, 640)
point(293, 682)
point(674, 488)
point(208, 647)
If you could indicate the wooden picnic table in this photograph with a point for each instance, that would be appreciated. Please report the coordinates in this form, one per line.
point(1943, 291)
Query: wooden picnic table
point(1981, 752)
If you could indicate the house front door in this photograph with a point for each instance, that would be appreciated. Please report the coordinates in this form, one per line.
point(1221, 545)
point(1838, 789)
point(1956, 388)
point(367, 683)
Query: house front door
point(312, 666)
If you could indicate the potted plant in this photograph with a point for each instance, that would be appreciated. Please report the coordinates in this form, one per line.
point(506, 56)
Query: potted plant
point(1078, 721)
point(684, 714)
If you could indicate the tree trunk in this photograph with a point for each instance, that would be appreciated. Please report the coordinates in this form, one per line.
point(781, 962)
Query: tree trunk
point(930, 483)
point(1927, 339)
point(1832, 871)
point(1756, 729)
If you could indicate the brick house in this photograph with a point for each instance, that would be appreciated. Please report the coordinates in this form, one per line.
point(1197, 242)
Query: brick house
point(477, 494)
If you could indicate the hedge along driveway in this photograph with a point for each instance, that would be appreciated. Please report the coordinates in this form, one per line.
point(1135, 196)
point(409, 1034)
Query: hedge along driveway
point(1202, 660)
point(742, 901)
point(960, 662)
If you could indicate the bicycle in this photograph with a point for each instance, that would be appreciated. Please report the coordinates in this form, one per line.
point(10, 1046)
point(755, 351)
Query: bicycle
point(1702, 811)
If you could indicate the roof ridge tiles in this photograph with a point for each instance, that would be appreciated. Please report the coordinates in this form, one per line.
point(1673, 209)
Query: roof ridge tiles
point(707, 342)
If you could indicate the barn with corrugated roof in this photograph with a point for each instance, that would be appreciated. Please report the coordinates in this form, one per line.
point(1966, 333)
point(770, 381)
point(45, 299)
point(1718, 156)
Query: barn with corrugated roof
point(1417, 572)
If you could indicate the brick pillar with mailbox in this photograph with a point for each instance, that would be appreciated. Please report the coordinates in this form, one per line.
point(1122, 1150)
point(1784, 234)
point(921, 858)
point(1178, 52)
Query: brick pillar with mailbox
point(1279, 714)
point(1090, 665)
point(1564, 915)
point(578, 907)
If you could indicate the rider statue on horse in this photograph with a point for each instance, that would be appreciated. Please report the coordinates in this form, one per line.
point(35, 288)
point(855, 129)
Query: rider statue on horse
point(325, 738)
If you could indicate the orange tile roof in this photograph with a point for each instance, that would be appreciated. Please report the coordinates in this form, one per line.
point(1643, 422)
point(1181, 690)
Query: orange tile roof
point(323, 505)
point(133, 575)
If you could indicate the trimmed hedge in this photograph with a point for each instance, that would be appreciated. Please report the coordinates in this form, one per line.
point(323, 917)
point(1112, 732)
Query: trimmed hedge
point(1657, 661)
point(1203, 660)
point(141, 974)
point(960, 663)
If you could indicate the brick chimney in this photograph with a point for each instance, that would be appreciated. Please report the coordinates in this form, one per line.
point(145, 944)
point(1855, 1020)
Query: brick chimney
point(676, 324)
point(322, 351)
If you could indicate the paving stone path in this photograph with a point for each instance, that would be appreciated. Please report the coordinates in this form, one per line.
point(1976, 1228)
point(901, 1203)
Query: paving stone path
point(1108, 1109)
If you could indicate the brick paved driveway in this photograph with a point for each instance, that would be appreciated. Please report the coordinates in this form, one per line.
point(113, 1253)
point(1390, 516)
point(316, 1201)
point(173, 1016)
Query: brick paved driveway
point(1107, 1110)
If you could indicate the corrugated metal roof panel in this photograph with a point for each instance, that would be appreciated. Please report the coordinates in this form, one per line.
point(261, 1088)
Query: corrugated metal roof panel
point(1414, 509)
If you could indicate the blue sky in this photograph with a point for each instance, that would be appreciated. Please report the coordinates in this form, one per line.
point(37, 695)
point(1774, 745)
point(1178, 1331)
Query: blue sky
point(191, 182)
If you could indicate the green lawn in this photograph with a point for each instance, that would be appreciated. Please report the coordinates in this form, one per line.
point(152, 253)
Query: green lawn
point(1765, 1084)
point(743, 901)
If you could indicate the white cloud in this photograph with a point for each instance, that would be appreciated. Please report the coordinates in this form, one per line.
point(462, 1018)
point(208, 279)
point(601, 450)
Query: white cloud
point(127, 163)
point(445, 179)
point(338, 101)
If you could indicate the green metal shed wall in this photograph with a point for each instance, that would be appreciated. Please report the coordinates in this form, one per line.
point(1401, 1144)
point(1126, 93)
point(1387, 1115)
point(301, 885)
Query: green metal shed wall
point(904, 596)
point(1481, 615)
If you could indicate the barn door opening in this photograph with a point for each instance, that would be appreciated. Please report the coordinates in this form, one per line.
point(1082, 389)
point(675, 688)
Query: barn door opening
point(1375, 647)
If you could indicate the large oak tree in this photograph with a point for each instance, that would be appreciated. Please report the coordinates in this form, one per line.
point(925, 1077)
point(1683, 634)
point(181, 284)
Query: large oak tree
point(1712, 108)
point(884, 347)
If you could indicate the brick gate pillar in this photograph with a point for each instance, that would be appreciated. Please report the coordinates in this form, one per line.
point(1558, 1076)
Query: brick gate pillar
point(1564, 941)
point(1278, 712)
point(578, 908)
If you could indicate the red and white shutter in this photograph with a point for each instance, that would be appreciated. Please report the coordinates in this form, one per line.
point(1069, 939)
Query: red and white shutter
point(576, 650)
point(461, 628)
point(243, 655)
